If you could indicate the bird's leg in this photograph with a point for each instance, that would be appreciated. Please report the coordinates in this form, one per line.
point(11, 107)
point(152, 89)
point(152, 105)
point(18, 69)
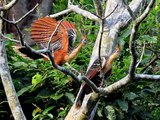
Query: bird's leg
point(73, 69)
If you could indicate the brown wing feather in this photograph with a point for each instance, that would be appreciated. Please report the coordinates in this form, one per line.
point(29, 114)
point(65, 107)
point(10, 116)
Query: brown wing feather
point(42, 29)
point(68, 25)
point(92, 74)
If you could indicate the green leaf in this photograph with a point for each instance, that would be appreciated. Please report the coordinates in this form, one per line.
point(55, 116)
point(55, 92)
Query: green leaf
point(70, 96)
point(110, 112)
point(131, 96)
point(23, 90)
point(36, 79)
point(36, 117)
point(99, 112)
point(50, 115)
point(123, 105)
point(48, 109)
point(20, 64)
point(56, 96)
point(35, 111)
point(44, 94)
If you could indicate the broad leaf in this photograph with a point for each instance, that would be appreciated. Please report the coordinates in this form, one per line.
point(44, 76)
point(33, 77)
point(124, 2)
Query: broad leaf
point(123, 105)
point(36, 79)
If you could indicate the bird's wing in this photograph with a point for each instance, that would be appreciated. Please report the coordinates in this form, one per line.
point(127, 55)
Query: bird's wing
point(72, 34)
point(42, 29)
point(95, 68)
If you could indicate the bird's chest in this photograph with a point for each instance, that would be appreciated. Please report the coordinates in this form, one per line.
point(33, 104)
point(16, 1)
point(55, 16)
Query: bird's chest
point(106, 68)
point(59, 56)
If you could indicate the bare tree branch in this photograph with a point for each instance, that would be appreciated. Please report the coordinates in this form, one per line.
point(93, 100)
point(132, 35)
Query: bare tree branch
point(51, 56)
point(53, 33)
point(101, 34)
point(151, 62)
point(146, 12)
point(9, 5)
point(75, 8)
point(111, 12)
point(8, 85)
point(13, 40)
point(61, 13)
point(20, 19)
point(132, 43)
point(115, 86)
point(146, 76)
point(130, 11)
point(84, 13)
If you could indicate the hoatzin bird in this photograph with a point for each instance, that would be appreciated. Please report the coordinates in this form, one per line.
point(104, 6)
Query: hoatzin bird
point(62, 41)
point(97, 73)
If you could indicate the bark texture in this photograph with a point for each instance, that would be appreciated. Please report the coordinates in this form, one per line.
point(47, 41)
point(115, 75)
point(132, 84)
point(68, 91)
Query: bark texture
point(7, 80)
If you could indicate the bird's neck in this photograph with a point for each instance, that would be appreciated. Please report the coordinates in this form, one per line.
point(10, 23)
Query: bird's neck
point(112, 58)
point(74, 53)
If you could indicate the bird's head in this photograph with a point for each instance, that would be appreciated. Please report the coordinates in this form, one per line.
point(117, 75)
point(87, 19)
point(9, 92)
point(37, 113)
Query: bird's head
point(84, 40)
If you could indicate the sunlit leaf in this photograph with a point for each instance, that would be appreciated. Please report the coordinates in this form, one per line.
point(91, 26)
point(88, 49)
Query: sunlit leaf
point(57, 96)
point(20, 64)
point(36, 79)
point(37, 110)
point(48, 109)
point(111, 115)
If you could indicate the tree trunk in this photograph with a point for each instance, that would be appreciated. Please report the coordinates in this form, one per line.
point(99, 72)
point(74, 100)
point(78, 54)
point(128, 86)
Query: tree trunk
point(7, 80)
point(108, 35)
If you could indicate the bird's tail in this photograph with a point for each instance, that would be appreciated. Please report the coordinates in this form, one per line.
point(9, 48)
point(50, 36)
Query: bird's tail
point(80, 97)
point(26, 52)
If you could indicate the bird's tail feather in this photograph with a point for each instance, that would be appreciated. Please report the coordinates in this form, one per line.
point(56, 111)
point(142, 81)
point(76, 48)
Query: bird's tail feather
point(26, 52)
point(80, 97)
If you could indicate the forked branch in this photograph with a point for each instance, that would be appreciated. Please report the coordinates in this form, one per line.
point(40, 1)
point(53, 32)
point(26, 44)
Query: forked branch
point(9, 5)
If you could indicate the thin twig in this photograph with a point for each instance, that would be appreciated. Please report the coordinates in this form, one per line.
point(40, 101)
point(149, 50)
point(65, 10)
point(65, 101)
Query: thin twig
point(20, 19)
point(49, 52)
point(53, 33)
point(15, 23)
point(84, 13)
point(146, 76)
point(102, 27)
point(111, 12)
point(68, 72)
point(130, 11)
point(132, 45)
point(60, 13)
point(90, 83)
point(13, 40)
point(100, 42)
point(24, 16)
point(19, 34)
point(152, 61)
point(3, 102)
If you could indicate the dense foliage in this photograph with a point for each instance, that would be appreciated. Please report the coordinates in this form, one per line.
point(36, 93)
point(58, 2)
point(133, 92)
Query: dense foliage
point(46, 94)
